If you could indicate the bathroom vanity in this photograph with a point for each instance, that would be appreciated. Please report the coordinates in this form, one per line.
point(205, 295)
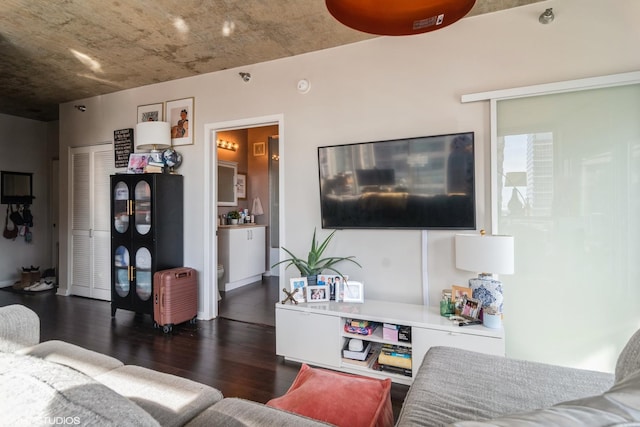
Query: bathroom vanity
point(242, 252)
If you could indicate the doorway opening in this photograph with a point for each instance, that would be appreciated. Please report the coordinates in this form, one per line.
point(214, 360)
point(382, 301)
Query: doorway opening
point(255, 142)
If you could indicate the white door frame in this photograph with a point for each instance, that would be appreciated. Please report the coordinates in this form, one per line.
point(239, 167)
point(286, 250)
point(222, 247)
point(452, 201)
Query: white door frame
point(209, 296)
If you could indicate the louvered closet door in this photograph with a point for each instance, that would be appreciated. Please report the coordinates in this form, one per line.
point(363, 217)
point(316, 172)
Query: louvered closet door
point(90, 232)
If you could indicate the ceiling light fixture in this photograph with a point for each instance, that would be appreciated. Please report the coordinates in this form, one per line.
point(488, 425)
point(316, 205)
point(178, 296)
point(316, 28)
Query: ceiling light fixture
point(398, 17)
point(245, 76)
point(547, 16)
point(228, 27)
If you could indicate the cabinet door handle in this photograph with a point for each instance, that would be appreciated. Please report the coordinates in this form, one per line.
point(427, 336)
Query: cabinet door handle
point(90, 233)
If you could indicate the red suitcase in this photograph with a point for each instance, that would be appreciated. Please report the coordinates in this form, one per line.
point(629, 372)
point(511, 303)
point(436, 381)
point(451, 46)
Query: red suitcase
point(175, 297)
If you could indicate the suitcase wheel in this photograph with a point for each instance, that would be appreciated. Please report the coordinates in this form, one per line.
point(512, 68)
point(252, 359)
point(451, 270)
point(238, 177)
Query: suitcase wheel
point(193, 321)
point(167, 328)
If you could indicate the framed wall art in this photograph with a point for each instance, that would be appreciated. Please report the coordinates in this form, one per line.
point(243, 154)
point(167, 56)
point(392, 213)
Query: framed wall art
point(241, 185)
point(180, 117)
point(150, 113)
point(259, 149)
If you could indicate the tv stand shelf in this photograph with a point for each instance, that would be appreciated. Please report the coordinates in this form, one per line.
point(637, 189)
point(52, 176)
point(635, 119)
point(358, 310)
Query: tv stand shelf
point(314, 333)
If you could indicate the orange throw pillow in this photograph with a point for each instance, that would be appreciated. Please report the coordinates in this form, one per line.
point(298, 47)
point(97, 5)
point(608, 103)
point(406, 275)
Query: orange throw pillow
point(337, 398)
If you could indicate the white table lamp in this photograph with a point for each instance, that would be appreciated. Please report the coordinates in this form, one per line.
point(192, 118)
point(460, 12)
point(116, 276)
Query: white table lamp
point(486, 255)
point(153, 137)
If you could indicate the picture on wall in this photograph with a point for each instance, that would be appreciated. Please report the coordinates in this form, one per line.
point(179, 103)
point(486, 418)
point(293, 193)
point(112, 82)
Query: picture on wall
point(241, 186)
point(259, 149)
point(150, 113)
point(180, 117)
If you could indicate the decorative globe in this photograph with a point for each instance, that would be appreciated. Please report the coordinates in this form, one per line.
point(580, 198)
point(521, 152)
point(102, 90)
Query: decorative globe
point(172, 158)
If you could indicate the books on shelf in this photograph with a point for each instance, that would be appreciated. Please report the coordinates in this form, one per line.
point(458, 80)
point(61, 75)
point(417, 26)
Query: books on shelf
point(395, 356)
point(391, 369)
point(371, 357)
point(356, 355)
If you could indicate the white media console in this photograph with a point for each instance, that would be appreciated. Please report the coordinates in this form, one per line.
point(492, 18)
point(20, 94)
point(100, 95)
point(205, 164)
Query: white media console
point(314, 333)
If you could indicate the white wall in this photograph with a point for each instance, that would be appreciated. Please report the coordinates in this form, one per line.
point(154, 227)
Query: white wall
point(28, 146)
point(376, 89)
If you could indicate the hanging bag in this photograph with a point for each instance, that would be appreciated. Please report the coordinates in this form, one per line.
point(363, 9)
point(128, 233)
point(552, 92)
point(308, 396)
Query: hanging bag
point(9, 234)
point(15, 216)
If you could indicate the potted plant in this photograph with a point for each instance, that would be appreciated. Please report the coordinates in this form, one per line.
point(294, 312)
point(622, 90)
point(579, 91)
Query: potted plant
point(234, 216)
point(315, 263)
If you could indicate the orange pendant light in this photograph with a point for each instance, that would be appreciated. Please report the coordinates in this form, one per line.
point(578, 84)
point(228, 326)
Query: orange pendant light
point(398, 17)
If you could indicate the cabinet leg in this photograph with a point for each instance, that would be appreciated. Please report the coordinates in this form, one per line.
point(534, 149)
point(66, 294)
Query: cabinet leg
point(113, 310)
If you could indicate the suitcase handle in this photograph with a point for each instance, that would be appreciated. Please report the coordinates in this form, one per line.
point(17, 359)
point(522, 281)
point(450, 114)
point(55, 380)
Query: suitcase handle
point(182, 274)
point(161, 299)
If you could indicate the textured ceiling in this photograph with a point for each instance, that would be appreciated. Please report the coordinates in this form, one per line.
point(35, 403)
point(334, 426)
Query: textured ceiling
point(56, 51)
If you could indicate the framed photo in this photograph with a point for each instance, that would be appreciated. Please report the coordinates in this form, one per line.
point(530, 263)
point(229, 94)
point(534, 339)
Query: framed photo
point(241, 186)
point(259, 149)
point(458, 293)
point(471, 308)
point(298, 283)
point(150, 113)
point(333, 281)
point(353, 291)
point(137, 162)
point(180, 118)
point(317, 293)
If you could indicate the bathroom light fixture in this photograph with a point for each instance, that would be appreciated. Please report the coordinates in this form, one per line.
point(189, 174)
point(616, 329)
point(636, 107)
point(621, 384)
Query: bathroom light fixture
point(226, 145)
point(547, 16)
point(245, 76)
point(82, 108)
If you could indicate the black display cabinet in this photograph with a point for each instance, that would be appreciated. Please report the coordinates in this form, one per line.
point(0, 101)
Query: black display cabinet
point(146, 236)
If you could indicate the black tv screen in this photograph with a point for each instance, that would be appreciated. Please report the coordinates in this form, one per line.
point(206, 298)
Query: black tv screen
point(412, 183)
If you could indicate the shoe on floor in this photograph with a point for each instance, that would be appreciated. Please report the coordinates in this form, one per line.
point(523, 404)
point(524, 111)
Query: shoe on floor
point(40, 286)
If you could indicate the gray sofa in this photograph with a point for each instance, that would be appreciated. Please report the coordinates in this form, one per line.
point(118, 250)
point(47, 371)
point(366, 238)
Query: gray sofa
point(57, 382)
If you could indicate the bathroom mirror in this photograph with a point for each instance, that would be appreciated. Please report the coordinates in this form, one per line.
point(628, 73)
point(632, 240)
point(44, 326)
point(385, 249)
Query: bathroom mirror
point(227, 190)
point(16, 187)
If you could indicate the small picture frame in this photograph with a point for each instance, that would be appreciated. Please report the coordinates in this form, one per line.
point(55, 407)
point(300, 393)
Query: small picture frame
point(180, 118)
point(353, 291)
point(471, 308)
point(333, 281)
point(137, 162)
point(241, 185)
point(150, 113)
point(299, 283)
point(259, 149)
point(458, 293)
point(317, 293)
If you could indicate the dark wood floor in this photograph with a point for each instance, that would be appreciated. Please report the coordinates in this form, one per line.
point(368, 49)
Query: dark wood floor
point(235, 356)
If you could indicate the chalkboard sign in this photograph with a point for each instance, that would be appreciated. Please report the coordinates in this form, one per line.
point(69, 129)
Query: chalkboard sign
point(122, 146)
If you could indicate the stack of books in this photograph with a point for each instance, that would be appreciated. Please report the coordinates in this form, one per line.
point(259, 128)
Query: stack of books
point(395, 359)
point(364, 358)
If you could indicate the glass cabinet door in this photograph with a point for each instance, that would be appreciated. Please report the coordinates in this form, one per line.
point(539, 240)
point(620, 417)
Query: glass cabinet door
point(142, 207)
point(121, 207)
point(122, 279)
point(143, 274)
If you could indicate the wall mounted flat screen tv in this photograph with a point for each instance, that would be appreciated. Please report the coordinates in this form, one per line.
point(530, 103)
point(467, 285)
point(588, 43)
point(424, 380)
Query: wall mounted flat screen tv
point(411, 183)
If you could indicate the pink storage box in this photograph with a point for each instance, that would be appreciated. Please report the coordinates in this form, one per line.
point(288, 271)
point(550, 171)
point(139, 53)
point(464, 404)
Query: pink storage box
point(390, 334)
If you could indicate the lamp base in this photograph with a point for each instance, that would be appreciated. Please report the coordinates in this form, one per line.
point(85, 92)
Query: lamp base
point(488, 290)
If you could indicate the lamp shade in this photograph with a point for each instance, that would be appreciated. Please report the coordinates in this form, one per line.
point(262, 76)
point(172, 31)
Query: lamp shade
point(398, 17)
point(152, 136)
point(484, 254)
